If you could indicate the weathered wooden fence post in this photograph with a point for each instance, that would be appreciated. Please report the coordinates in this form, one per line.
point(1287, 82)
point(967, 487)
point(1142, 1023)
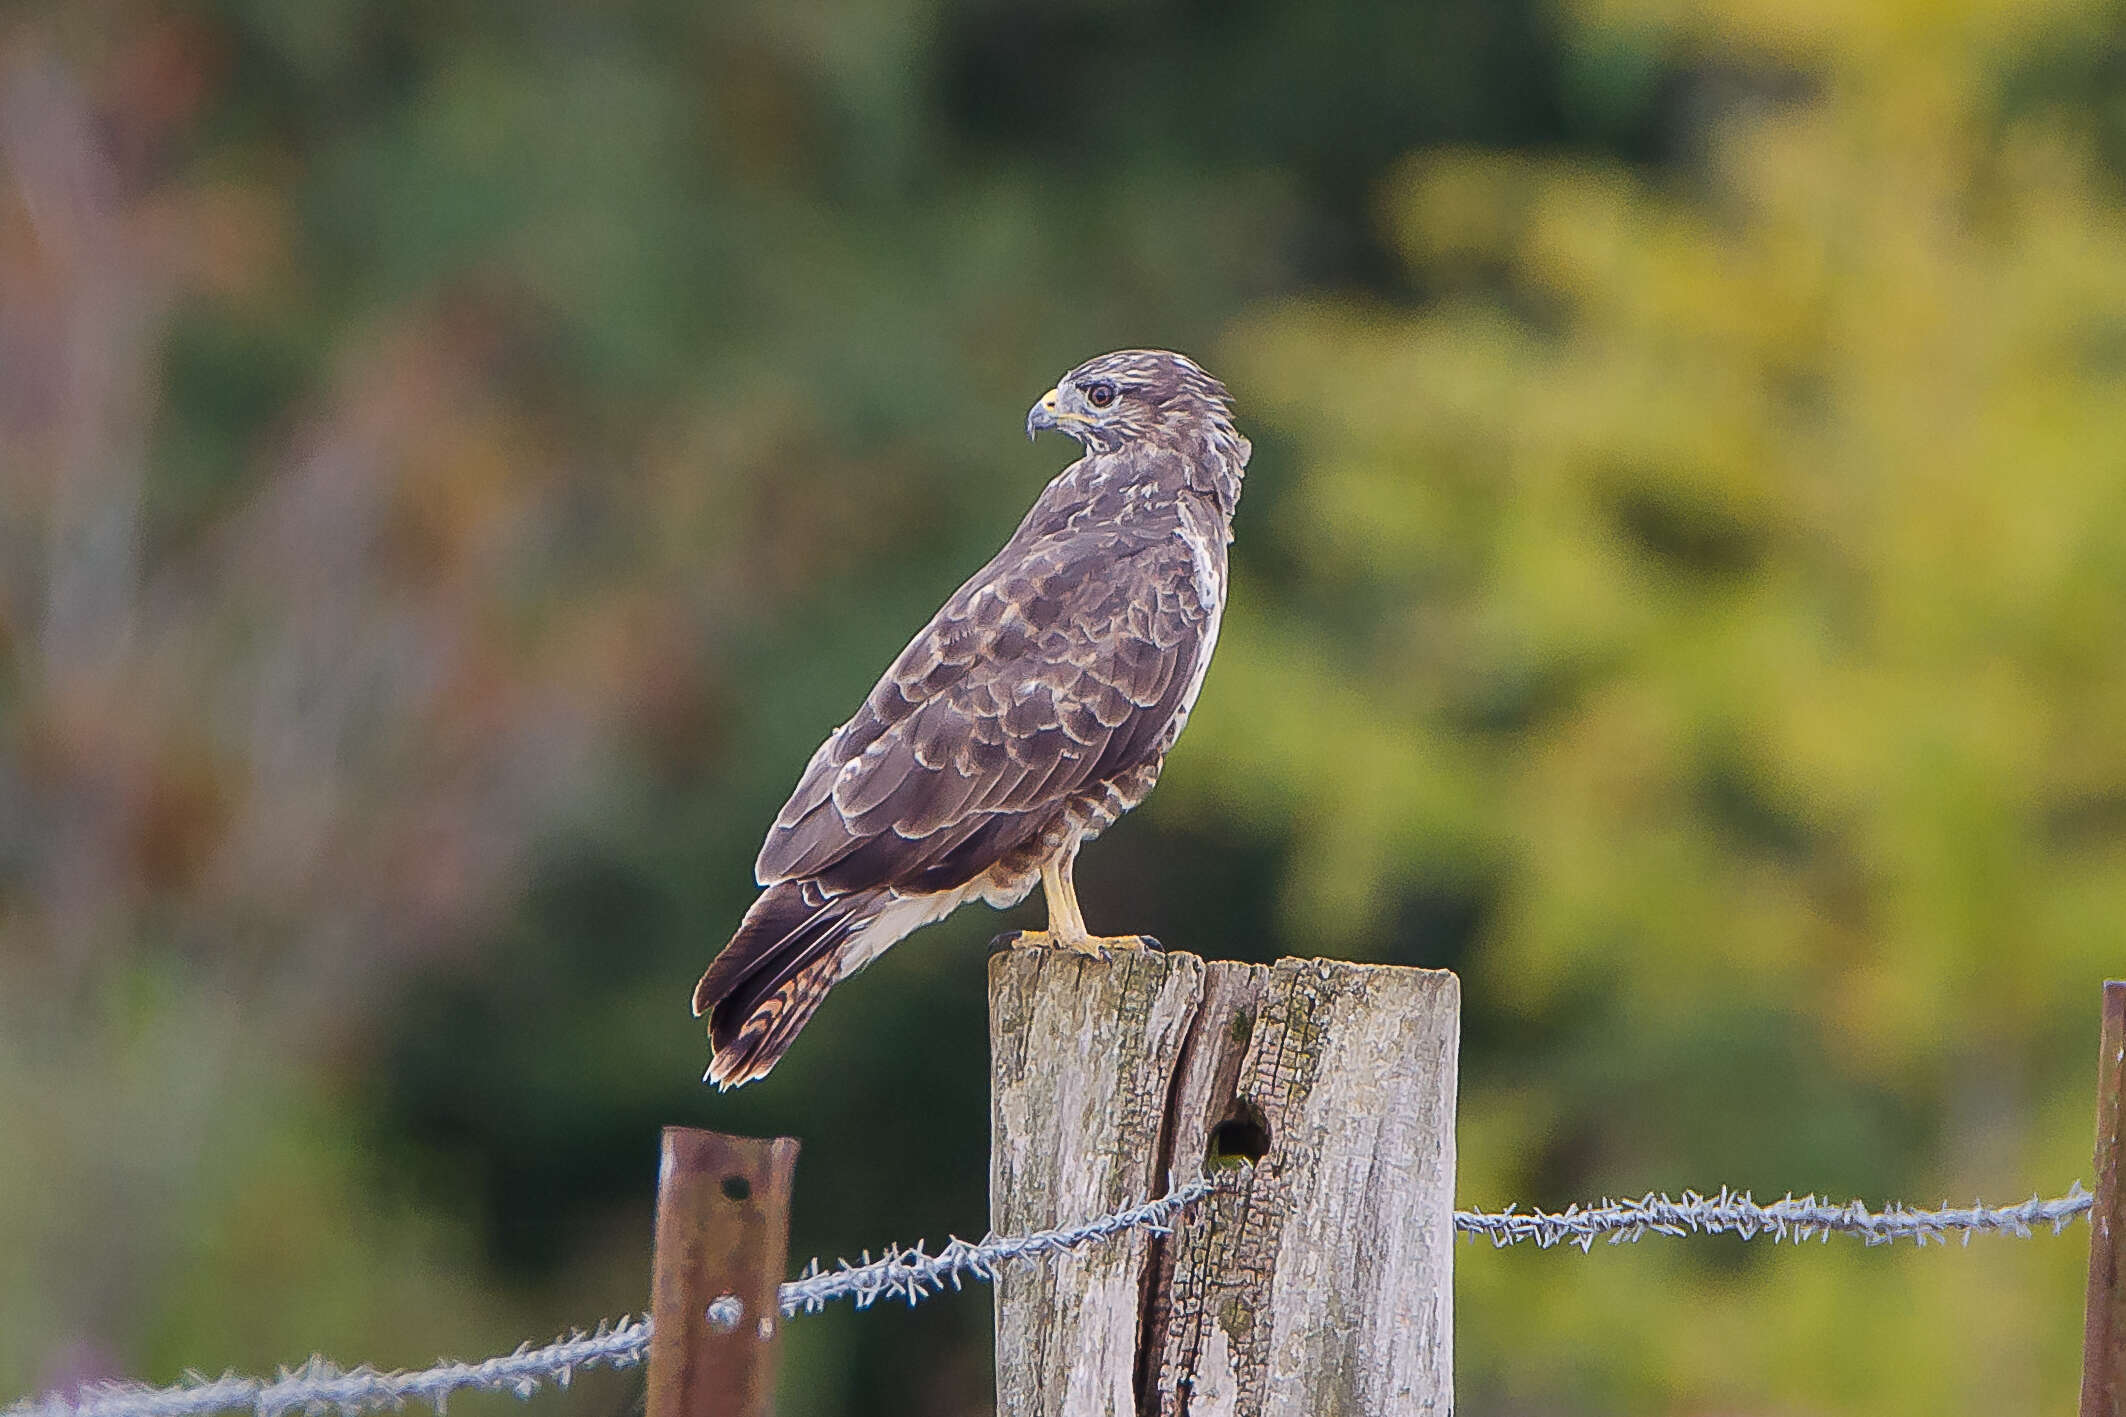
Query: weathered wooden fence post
point(723, 1239)
point(2104, 1314)
point(1319, 1280)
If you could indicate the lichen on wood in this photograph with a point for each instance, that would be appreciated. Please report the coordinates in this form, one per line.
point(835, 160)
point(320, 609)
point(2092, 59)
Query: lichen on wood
point(1318, 1279)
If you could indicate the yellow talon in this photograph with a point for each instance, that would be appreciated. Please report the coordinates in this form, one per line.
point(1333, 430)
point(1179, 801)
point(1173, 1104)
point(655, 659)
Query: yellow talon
point(1090, 946)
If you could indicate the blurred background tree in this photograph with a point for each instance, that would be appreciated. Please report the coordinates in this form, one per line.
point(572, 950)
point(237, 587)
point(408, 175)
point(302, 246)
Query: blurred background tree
point(456, 462)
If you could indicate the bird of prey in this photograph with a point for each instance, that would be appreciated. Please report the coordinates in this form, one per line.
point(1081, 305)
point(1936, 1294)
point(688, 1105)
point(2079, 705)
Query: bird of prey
point(1034, 709)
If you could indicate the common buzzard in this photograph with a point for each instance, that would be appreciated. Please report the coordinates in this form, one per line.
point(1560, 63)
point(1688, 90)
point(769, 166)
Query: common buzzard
point(1033, 710)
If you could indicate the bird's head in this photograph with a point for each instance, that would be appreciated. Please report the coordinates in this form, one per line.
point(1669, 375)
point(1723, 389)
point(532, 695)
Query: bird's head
point(1130, 395)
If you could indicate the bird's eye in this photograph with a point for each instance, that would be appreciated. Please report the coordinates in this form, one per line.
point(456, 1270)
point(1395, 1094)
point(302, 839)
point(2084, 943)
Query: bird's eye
point(1100, 395)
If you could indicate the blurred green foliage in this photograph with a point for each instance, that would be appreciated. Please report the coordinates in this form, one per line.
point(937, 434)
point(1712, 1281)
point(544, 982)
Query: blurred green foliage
point(456, 462)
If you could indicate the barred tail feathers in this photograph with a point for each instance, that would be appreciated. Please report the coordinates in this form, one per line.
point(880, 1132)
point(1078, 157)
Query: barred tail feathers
point(764, 986)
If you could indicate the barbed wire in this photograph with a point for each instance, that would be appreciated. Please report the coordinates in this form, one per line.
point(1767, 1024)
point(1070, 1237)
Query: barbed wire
point(321, 1385)
point(1792, 1218)
point(908, 1273)
point(912, 1274)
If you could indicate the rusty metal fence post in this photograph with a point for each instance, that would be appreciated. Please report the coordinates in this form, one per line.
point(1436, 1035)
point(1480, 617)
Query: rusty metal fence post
point(723, 1235)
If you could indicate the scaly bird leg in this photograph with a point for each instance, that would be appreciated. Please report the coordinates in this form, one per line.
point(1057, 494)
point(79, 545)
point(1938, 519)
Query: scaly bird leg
point(1066, 922)
point(1066, 927)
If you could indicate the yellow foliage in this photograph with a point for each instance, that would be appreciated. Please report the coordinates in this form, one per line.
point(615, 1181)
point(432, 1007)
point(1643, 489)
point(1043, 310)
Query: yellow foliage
point(1747, 553)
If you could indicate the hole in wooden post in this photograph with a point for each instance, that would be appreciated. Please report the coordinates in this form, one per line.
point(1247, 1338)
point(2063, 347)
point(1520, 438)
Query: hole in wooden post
point(736, 1188)
point(1242, 1139)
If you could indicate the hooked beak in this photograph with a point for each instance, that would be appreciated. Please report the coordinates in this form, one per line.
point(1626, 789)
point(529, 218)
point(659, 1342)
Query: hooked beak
point(1041, 415)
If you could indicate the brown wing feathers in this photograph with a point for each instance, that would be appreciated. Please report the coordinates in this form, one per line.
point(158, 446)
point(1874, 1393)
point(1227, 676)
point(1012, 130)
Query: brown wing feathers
point(958, 727)
point(960, 755)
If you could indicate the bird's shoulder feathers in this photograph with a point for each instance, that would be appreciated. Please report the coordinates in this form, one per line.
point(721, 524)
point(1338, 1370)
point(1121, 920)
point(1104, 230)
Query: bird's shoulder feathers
point(1059, 665)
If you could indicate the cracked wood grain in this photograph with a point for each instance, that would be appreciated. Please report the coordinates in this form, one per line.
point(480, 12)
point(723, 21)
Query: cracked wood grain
point(1319, 1279)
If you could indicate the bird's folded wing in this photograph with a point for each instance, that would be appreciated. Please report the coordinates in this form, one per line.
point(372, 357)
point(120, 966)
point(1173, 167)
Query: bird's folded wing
point(1057, 667)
